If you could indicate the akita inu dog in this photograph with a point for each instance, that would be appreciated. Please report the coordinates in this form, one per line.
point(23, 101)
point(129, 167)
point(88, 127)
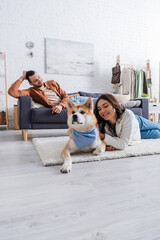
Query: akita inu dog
point(83, 132)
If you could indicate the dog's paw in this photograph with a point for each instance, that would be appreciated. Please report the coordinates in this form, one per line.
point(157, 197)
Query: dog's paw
point(97, 152)
point(66, 167)
point(100, 149)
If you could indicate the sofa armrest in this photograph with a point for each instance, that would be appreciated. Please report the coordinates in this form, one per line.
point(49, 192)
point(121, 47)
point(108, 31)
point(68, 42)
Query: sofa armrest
point(24, 112)
point(145, 107)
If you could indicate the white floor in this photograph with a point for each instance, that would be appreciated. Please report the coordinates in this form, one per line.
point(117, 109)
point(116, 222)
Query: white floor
point(108, 200)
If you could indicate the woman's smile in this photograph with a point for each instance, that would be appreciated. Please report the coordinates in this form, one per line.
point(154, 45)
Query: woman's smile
point(106, 110)
point(105, 114)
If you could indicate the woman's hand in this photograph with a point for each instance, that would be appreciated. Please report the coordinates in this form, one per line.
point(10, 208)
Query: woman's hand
point(110, 148)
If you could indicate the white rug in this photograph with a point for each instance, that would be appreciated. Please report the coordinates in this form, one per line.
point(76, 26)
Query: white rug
point(49, 150)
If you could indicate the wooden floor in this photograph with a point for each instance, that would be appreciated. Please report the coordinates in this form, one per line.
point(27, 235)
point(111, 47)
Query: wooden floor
point(108, 200)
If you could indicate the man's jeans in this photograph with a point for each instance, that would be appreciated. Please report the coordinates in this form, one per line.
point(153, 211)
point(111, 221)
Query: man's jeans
point(148, 129)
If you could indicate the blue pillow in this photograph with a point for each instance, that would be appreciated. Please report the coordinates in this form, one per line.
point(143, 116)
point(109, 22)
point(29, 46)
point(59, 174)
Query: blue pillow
point(81, 99)
point(93, 95)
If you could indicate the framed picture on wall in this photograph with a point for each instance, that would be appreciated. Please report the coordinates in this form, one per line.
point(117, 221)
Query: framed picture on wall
point(69, 57)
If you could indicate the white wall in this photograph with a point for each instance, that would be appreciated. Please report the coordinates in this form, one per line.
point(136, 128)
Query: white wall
point(128, 28)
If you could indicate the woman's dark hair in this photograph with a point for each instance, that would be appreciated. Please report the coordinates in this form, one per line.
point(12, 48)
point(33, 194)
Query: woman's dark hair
point(115, 104)
point(29, 73)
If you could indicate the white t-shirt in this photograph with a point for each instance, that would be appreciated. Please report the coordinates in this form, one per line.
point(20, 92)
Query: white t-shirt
point(127, 131)
point(51, 95)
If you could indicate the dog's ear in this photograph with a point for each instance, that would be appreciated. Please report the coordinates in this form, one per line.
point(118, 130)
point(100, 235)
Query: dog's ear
point(69, 103)
point(89, 103)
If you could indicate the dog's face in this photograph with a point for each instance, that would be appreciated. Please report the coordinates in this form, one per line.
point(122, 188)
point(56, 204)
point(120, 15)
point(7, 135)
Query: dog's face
point(80, 116)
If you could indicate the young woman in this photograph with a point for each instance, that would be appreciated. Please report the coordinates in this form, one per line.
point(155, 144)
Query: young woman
point(119, 127)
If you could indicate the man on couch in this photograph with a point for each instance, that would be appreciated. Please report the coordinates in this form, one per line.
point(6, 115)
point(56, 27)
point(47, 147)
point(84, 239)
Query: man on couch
point(48, 93)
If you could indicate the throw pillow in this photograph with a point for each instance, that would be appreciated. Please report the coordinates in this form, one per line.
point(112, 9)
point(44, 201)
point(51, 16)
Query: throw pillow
point(81, 99)
point(37, 105)
point(87, 94)
point(131, 104)
point(122, 98)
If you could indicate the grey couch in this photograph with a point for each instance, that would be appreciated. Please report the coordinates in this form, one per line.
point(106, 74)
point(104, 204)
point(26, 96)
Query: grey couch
point(42, 118)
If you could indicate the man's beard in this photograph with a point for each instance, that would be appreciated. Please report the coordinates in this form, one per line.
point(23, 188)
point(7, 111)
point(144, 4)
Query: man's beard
point(39, 86)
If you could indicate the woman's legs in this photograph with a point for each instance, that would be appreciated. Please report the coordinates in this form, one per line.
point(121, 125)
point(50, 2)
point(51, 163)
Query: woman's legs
point(148, 129)
point(150, 134)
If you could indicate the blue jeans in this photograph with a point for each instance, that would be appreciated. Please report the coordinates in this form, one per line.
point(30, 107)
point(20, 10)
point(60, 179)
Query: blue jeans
point(148, 129)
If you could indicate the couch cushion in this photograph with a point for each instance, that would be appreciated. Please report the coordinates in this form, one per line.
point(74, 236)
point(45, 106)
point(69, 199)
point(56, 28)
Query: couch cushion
point(73, 94)
point(136, 110)
point(93, 95)
point(44, 115)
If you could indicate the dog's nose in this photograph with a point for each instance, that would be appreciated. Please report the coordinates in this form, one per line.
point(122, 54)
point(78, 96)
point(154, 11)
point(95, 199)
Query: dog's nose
point(74, 117)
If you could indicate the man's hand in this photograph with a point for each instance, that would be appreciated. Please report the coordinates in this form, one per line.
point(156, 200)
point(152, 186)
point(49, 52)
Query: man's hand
point(56, 109)
point(23, 77)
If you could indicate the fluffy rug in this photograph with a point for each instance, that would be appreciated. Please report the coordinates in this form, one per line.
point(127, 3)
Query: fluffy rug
point(49, 150)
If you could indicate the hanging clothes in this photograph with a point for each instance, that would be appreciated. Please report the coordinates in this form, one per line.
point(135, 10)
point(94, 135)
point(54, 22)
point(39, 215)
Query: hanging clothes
point(133, 82)
point(127, 82)
point(148, 76)
point(145, 85)
point(141, 84)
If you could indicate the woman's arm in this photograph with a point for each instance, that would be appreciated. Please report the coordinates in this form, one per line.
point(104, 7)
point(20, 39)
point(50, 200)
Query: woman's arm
point(125, 133)
point(108, 148)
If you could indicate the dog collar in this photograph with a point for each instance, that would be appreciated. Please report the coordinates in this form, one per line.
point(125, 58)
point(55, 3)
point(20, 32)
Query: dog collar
point(84, 139)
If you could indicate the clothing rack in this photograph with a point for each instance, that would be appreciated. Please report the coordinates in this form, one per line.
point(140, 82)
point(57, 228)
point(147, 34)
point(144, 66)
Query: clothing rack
point(159, 82)
point(130, 65)
point(4, 114)
point(146, 68)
